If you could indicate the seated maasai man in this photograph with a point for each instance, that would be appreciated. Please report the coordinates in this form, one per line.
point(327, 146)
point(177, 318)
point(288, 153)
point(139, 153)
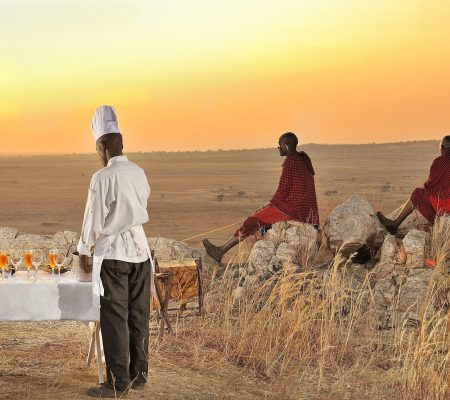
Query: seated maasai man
point(295, 198)
point(433, 199)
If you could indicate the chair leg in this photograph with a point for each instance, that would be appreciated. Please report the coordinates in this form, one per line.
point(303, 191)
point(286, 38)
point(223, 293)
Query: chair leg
point(165, 306)
point(200, 285)
point(162, 304)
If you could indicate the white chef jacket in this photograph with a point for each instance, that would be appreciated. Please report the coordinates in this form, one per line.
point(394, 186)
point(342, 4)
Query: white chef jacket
point(115, 210)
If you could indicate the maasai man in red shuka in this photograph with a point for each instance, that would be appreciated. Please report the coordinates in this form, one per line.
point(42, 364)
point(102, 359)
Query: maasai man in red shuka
point(295, 198)
point(433, 199)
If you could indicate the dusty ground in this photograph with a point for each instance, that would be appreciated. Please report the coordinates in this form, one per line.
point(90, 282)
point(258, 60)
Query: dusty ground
point(47, 361)
point(192, 193)
point(198, 192)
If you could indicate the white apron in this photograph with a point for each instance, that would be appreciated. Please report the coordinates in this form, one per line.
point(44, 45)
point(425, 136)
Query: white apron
point(102, 248)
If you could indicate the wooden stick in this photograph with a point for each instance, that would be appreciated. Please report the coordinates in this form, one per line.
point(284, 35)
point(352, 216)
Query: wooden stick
point(91, 344)
point(99, 353)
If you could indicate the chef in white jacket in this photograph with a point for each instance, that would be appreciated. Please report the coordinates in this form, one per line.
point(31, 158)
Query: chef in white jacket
point(112, 233)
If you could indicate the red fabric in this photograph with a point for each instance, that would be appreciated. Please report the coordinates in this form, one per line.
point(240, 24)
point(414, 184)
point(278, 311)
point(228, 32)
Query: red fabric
point(434, 198)
point(421, 200)
point(262, 218)
point(296, 193)
point(440, 205)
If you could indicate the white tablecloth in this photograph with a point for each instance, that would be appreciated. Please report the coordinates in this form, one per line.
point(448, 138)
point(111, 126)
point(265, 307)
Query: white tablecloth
point(46, 300)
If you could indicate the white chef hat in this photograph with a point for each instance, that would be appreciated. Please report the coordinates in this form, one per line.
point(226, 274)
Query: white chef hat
point(104, 121)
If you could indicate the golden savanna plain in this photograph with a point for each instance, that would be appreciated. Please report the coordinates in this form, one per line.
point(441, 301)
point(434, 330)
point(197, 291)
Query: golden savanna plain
point(215, 358)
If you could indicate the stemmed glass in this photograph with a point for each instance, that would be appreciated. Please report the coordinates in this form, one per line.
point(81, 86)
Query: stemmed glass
point(28, 259)
point(16, 261)
point(4, 265)
point(60, 261)
point(37, 261)
point(52, 256)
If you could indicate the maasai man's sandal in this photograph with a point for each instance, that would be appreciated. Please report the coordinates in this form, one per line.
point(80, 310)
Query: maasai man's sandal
point(387, 223)
point(212, 250)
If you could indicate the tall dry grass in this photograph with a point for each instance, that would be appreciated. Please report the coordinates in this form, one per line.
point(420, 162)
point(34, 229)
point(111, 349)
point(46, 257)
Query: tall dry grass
point(313, 332)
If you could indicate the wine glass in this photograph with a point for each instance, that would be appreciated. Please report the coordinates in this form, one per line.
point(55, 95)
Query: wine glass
point(60, 260)
point(4, 265)
point(37, 262)
point(52, 255)
point(28, 260)
point(16, 261)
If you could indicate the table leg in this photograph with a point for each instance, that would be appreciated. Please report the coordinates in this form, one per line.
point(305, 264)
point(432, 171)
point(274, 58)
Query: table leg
point(92, 327)
point(99, 354)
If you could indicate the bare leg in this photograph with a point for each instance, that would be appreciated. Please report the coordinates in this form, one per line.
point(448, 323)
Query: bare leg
point(392, 225)
point(407, 209)
point(217, 252)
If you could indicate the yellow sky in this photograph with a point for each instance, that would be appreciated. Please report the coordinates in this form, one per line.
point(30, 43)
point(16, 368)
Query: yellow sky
point(222, 74)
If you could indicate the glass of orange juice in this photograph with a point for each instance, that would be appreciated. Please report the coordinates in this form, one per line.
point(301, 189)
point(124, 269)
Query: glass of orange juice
point(3, 259)
point(52, 257)
point(28, 261)
point(4, 265)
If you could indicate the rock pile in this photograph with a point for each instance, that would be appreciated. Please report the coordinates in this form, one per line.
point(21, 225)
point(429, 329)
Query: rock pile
point(286, 244)
point(66, 242)
point(15, 242)
point(395, 276)
point(402, 280)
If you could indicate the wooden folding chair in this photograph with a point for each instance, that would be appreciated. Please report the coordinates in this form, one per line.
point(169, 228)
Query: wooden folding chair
point(177, 280)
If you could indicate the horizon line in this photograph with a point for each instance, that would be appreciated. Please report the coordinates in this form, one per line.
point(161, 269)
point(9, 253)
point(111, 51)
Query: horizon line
point(218, 150)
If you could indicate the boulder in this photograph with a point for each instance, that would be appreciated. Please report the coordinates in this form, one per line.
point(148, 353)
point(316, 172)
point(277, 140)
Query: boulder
point(260, 257)
point(299, 237)
point(354, 221)
point(286, 244)
point(27, 242)
point(72, 238)
point(412, 296)
point(417, 247)
point(7, 233)
point(6, 244)
point(391, 260)
point(384, 294)
point(170, 249)
point(288, 253)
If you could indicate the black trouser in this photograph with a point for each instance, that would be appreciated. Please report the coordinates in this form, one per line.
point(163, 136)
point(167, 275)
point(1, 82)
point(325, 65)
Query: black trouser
point(124, 319)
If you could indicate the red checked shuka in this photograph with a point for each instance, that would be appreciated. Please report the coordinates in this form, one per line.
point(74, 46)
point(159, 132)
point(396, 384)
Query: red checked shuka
point(295, 198)
point(434, 197)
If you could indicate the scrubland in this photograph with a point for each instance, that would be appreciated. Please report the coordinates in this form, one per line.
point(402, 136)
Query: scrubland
point(303, 335)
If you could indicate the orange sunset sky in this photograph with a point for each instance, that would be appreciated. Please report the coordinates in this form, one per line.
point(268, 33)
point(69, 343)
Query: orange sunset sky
point(224, 74)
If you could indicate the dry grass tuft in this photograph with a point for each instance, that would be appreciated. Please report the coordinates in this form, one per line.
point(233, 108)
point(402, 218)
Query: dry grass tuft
point(312, 332)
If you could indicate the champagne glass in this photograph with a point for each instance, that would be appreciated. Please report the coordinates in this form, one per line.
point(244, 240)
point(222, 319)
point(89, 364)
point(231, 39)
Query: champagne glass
point(28, 260)
point(37, 261)
point(16, 261)
point(52, 254)
point(60, 260)
point(4, 265)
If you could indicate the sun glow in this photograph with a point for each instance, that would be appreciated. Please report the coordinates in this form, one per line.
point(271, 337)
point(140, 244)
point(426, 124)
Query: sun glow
point(222, 74)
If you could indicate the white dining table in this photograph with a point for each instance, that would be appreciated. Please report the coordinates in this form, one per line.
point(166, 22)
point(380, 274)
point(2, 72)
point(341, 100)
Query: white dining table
point(47, 299)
